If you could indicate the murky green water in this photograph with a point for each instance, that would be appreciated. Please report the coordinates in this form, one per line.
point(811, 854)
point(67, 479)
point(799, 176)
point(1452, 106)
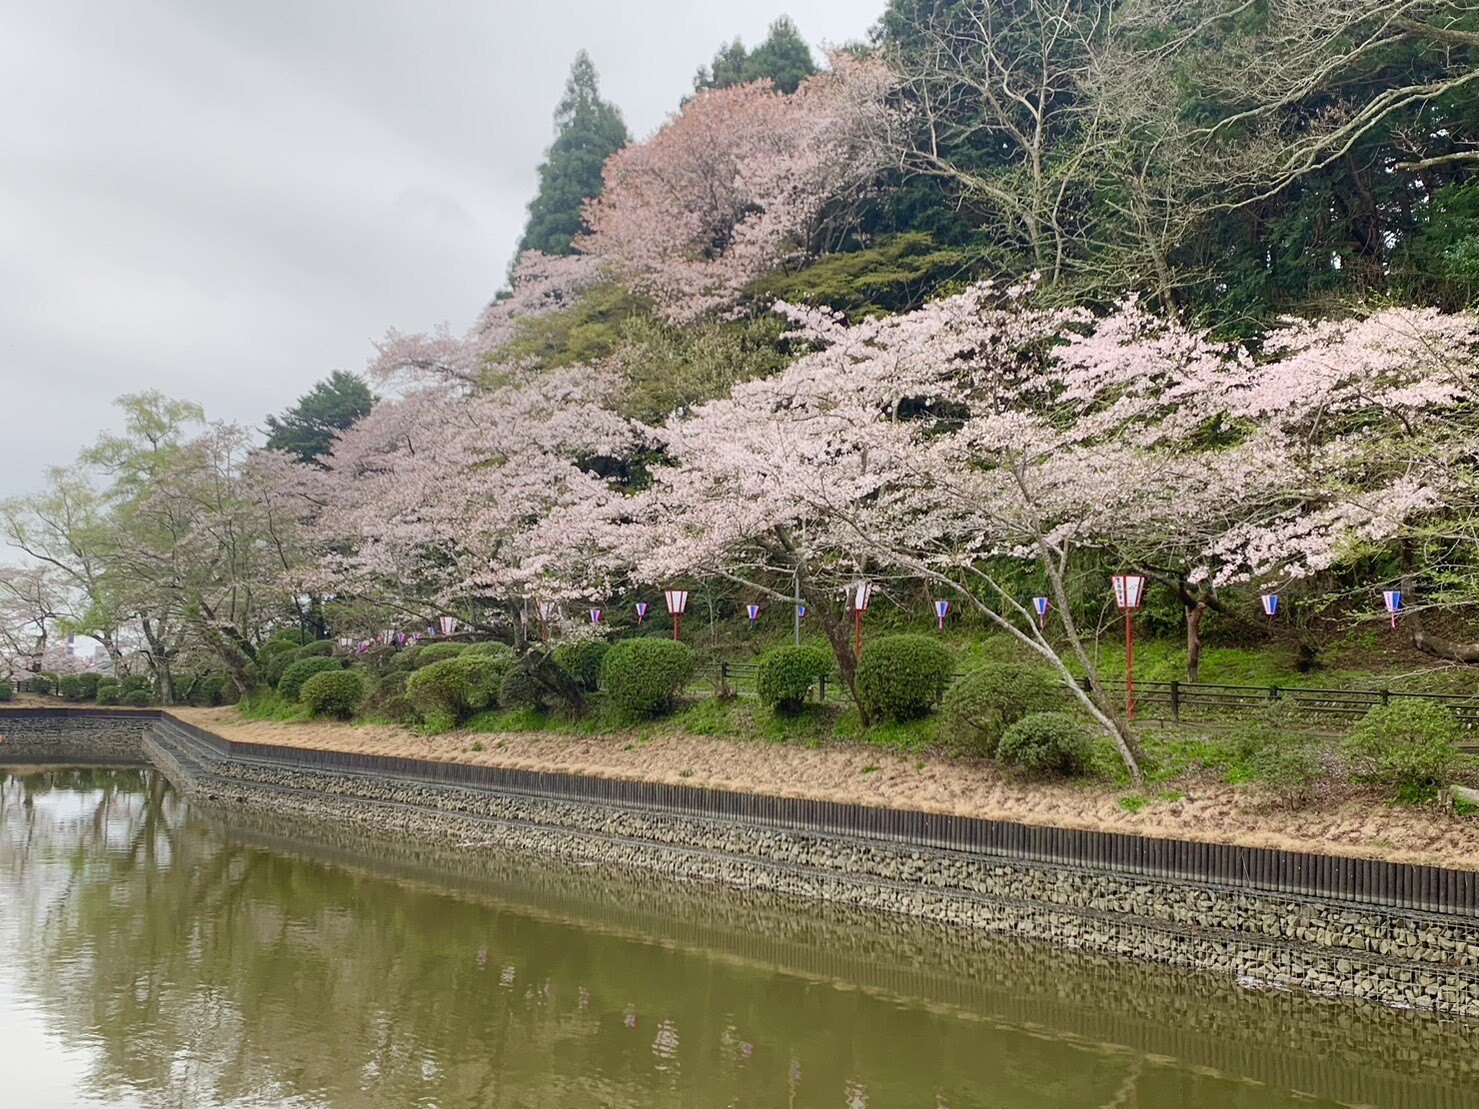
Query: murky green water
point(157, 954)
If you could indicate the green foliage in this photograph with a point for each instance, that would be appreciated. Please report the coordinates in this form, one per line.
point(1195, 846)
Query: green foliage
point(279, 662)
point(1407, 745)
point(437, 652)
point(786, 674)
point(335, 693)
point(135, 682)
point(1046, 743)
point(88, 681)
point(448, 692)
point(388, 700)
point(41, 683)
point(307, 429)
point(291, 682)
point(897, 273)
point(519, 690)
point(783, 58)
point(582, 661)
point(901, 677)
point(589, 331)
point(72, 688)
point(667, 367)
point(280, 642)
point(644, 676)
point(588, 131)
point(1289, 770)
point(109, 695)
point(137, 698)
point(982, 705)
point(208, 691)
point(491, 648)
point(5, 691)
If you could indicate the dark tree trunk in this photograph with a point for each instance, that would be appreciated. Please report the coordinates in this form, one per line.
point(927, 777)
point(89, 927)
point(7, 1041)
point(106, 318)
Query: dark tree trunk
point(1194, 614)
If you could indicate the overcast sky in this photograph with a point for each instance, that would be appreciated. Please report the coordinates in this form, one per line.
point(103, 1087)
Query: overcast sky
point(226, 200)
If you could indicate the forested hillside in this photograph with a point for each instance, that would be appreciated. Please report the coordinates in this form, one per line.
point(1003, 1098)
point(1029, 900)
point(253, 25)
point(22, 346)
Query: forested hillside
point(1001, 300)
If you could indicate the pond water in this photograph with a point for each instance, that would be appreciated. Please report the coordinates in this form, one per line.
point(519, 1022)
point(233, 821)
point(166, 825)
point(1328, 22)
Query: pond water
point(156, 953)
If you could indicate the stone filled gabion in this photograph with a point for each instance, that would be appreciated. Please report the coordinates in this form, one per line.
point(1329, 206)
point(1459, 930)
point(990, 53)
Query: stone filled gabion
point(1396, 958)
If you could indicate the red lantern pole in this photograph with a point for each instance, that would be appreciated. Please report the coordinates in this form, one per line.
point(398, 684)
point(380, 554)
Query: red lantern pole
point(864, 592)
point(1128, 589)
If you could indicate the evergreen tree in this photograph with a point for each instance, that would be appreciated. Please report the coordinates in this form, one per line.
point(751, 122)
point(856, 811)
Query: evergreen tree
point(588, 131)
point(307, 429)
point(783, 57)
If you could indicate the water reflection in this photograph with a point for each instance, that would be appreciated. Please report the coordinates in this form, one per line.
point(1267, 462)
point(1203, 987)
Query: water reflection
point(186, 957)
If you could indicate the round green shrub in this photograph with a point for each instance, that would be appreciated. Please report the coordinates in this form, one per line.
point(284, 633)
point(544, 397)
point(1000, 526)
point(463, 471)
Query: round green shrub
point(40, 683)
point(448, 692)
point(72, 689)
point(901, 677)
point(109, 694)
point(643, 676)
point(519, 690)
point(984, 703)
point(1046, 743)
point(88, 680)
point(335, 693)
point(438, 652)
point(582, 661)
point(107, 679)
point(282, 641)
point(291, 682)
point(785, 675)
point(278, 664)
point(1408, 745)
point(136, 698)
point(5, 691)
point(136, 682)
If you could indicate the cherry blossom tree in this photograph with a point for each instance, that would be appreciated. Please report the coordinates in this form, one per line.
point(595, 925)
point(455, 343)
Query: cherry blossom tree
point(739, 181)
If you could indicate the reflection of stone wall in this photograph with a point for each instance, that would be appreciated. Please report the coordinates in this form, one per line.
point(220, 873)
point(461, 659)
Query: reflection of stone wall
point(1202, 1020)
point(1406, 959)
point(75, 737)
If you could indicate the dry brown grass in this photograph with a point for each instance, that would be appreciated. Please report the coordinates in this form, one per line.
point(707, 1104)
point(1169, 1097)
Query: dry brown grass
point(1350, 822)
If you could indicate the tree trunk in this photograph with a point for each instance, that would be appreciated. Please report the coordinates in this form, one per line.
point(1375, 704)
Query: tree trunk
point(1194, 614)
point(1429, 644)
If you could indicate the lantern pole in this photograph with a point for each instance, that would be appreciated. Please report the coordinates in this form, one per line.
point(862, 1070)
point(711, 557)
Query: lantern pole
point(796, 609)
point(1128, 590)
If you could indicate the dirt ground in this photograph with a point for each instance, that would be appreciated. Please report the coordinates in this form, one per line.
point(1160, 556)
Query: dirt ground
point(1207, 809)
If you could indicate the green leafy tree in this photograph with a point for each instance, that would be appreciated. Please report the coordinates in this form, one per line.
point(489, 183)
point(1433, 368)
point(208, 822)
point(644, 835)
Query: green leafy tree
point(307, 429)
point(588, 131)
point(784, 58)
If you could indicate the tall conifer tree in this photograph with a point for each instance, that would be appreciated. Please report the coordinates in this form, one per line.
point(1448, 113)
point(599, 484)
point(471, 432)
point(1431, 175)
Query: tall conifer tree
point(588, 131)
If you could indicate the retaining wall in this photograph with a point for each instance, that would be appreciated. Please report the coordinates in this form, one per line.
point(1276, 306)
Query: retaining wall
point(1402, 935)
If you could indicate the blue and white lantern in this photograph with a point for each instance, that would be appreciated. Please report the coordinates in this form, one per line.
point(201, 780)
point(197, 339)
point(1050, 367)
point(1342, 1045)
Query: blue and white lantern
point(753, 612)
point(448, 624)
point(1392, 598)
point(941, 608)
point(641, 612)
point(800, 610)
point(1040, 606)
point(595, 616)
point(1270, 605)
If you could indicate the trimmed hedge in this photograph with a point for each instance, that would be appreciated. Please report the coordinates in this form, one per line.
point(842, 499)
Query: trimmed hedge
point(6, 692)
point(336, 693)
point(41, 683)
point(136, 698)
point(582, 661)
point(72, 689)
point(644, 676)
point(278, 664)
point(980, 707)
point(1046, 743)
point(109, 694)
point(785, 675)
point(448, 692)
point(437, 652)
point(135, 682)
point(388, 699)
point(490, 647)
point(901, 677)
point(291, 682)
point(89, 680)
point(208, 693)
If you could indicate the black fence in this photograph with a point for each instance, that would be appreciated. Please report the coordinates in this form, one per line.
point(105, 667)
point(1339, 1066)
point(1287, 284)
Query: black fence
point(1189, 698)
point(1325, 877)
